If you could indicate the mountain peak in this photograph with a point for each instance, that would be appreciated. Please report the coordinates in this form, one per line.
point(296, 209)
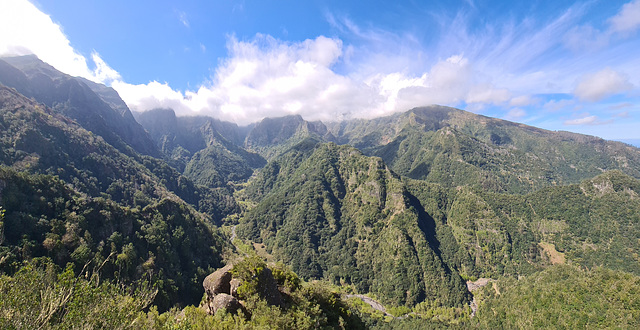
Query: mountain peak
point(96, 107)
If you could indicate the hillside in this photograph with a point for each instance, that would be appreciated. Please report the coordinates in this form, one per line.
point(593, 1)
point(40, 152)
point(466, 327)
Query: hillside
point(92, 195)
point(205, 149)
point(454, 147)
point(487, 234)
point(331, 212)
point(362, 223)
point(95, 107)
point(562, 296)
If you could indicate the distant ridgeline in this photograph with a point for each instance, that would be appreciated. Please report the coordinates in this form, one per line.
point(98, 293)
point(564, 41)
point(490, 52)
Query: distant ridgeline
point(405, 208)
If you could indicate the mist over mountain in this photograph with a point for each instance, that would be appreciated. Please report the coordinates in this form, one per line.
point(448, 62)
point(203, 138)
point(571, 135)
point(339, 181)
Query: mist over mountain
point(418, 219)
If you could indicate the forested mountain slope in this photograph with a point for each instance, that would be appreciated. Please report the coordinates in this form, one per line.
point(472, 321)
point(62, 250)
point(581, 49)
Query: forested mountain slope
point(161, 241)
point(595, 223)
point(403, 208)
point(36, 139)
point(205, 149)
point(331, 212)
point(95, 107)
point(454, 147)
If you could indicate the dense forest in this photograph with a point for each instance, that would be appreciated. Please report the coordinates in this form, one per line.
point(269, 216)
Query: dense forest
point(430, 218)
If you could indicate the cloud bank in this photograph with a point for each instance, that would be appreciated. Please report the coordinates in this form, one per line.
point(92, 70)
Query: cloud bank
point(506, 66)
point(596, 86)
point(24, 30)
point(269, 77)
point(266, 77)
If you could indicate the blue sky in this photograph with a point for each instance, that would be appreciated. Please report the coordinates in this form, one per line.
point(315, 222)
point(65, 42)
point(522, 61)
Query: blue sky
point(558, 65)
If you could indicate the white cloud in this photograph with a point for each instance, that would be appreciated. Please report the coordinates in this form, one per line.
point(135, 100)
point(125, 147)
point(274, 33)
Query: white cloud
point(587, 120)
point(150, 96)
point(377, 73)
point(182, 16)
point(522, 100)
point(628, 19)
point(596, 86)
point(268, 77)
point(26, 30)
point(487, 94)
point(265, 76)
point(103, 72)
point(623, 24)
point(515, 114)
point(621, 106)
point(557, 105)
point(586, 37)
point(623, 114)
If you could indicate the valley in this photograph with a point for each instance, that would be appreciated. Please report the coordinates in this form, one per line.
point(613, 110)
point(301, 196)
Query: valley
point(362, 223)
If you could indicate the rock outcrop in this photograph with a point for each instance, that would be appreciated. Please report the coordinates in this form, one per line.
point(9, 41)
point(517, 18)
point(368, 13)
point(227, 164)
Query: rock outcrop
point(220, 301)
point(218, 281)
point(222, 290)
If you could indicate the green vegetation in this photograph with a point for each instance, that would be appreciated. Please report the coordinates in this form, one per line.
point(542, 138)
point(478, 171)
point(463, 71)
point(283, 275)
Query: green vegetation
point(37, 140)
point(364, 223)
point(456, 148)
point(163, 241)
point(330, 212)
point(563, 297)
point(40, 295)
point(486, 234)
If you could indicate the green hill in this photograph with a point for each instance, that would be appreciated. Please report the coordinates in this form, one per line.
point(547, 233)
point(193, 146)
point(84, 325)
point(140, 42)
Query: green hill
point(454, 147)
point(383, 219)
point(329, 211)
point(562, 297)
point(44, 217)
point(595, 223)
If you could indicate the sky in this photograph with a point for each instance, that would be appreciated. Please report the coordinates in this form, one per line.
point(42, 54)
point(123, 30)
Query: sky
point(559, 65)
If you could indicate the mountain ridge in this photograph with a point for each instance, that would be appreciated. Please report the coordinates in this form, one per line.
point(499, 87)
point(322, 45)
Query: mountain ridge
point(94, 106)
point(404, 208)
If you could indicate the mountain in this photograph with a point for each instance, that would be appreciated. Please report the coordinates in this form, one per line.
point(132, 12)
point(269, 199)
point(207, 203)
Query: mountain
point(487, 234)
point(36, 139)
point(462, 176)
point(454, 147)
point(331, 212)
point(342, 201)
point(44, 217)
point(75, 191)
point(272, 136)
point(190, 133)
point(95, 107)
point(205, 149)
point(383, 220)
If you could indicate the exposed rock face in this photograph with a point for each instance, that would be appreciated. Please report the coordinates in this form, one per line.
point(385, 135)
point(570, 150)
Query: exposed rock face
point(218, 282)
point(235, 283)
point(223, 300)
point(222, 290)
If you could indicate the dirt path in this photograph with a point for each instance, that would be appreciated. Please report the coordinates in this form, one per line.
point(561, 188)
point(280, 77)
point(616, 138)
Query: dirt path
point(233, 233)
point(374, 304)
